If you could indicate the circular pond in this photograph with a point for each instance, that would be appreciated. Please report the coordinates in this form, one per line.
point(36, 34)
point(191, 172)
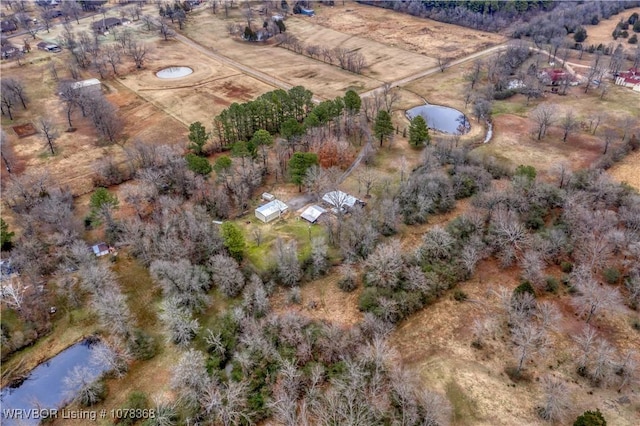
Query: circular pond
point(441, 118)
point(174, 72)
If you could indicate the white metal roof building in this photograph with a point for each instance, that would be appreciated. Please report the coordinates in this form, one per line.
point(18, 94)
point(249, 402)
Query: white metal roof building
point(270, 211)
point(91, 85)
point(312, 213)
point(340, 199)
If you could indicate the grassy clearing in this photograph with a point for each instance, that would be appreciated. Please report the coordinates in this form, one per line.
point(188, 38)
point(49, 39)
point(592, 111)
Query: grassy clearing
point(291, 227)
point(464, 408)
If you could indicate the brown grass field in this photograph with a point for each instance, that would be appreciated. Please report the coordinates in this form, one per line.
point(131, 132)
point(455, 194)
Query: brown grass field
point(601, 33)
point(435, 343)
point(423, 36)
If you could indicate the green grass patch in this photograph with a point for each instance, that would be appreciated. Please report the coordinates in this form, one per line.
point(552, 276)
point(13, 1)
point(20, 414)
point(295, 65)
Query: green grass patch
point(291, 228)
point(464, 408)
point(509, 107)
point(142, 294)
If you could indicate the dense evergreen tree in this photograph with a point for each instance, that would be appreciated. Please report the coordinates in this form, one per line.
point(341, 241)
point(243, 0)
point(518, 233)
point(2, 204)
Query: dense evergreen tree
point(418, 132)
point(383, 127)
point(298, 165)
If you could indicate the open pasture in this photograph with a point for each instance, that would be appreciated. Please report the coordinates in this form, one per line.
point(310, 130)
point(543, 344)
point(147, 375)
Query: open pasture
point(424, 36)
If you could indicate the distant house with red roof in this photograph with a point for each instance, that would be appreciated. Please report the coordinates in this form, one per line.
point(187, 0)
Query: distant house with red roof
point(629, 79)
point(555, 77)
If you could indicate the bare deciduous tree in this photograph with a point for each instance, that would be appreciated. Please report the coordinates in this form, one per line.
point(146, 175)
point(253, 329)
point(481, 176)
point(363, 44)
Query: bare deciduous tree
point(443, 62)
point(384, 265)
point(12, 292)
point(83, 387)
point(556, 403)
point(226, 403)
point(165, 30)
point(190, 378)
point(594, 297)
point(544, 116)
point(6, 151)
point(138, 52)
point(112, 309)
point(181, 325)
point(183, 281)
point(104, 116)
point(568, 124)
point(319, 255)
point(226, 274)
point(529, 339)
point(49, 133)
point(286, 255)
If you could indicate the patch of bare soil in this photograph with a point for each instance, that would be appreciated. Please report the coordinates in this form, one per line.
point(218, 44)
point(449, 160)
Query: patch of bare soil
point(25, 130)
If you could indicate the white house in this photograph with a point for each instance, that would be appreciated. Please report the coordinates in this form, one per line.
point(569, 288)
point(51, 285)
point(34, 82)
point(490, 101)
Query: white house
point(272, 210)
point(312, 213)
point(339, 199)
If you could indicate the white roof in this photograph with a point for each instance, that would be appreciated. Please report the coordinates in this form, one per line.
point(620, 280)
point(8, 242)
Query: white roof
point(85, 83)
point(338, 197)
point(272, 207)
point(312, 213)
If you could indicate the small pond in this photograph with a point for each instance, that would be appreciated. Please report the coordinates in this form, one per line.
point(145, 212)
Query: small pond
point(441, 118)
point(174, 72)
point(44, 387)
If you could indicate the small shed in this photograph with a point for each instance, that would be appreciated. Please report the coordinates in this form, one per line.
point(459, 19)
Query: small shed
point(100, 249)
point(312, 213)
point(270, 211)
point(90, 86)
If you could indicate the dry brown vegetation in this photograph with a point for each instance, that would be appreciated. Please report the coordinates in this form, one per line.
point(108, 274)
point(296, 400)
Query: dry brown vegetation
point(424, 36)
point(601, 33)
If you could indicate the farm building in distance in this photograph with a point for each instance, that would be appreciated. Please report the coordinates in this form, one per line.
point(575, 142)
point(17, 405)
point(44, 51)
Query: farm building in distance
point(90, 86)
point(48, 47)
point(103, 25)
point(312, 213)
point(271, 211)
point(629, 79)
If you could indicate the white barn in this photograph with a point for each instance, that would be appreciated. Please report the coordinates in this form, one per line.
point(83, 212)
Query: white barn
point(312, 213)
point(270, 211)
